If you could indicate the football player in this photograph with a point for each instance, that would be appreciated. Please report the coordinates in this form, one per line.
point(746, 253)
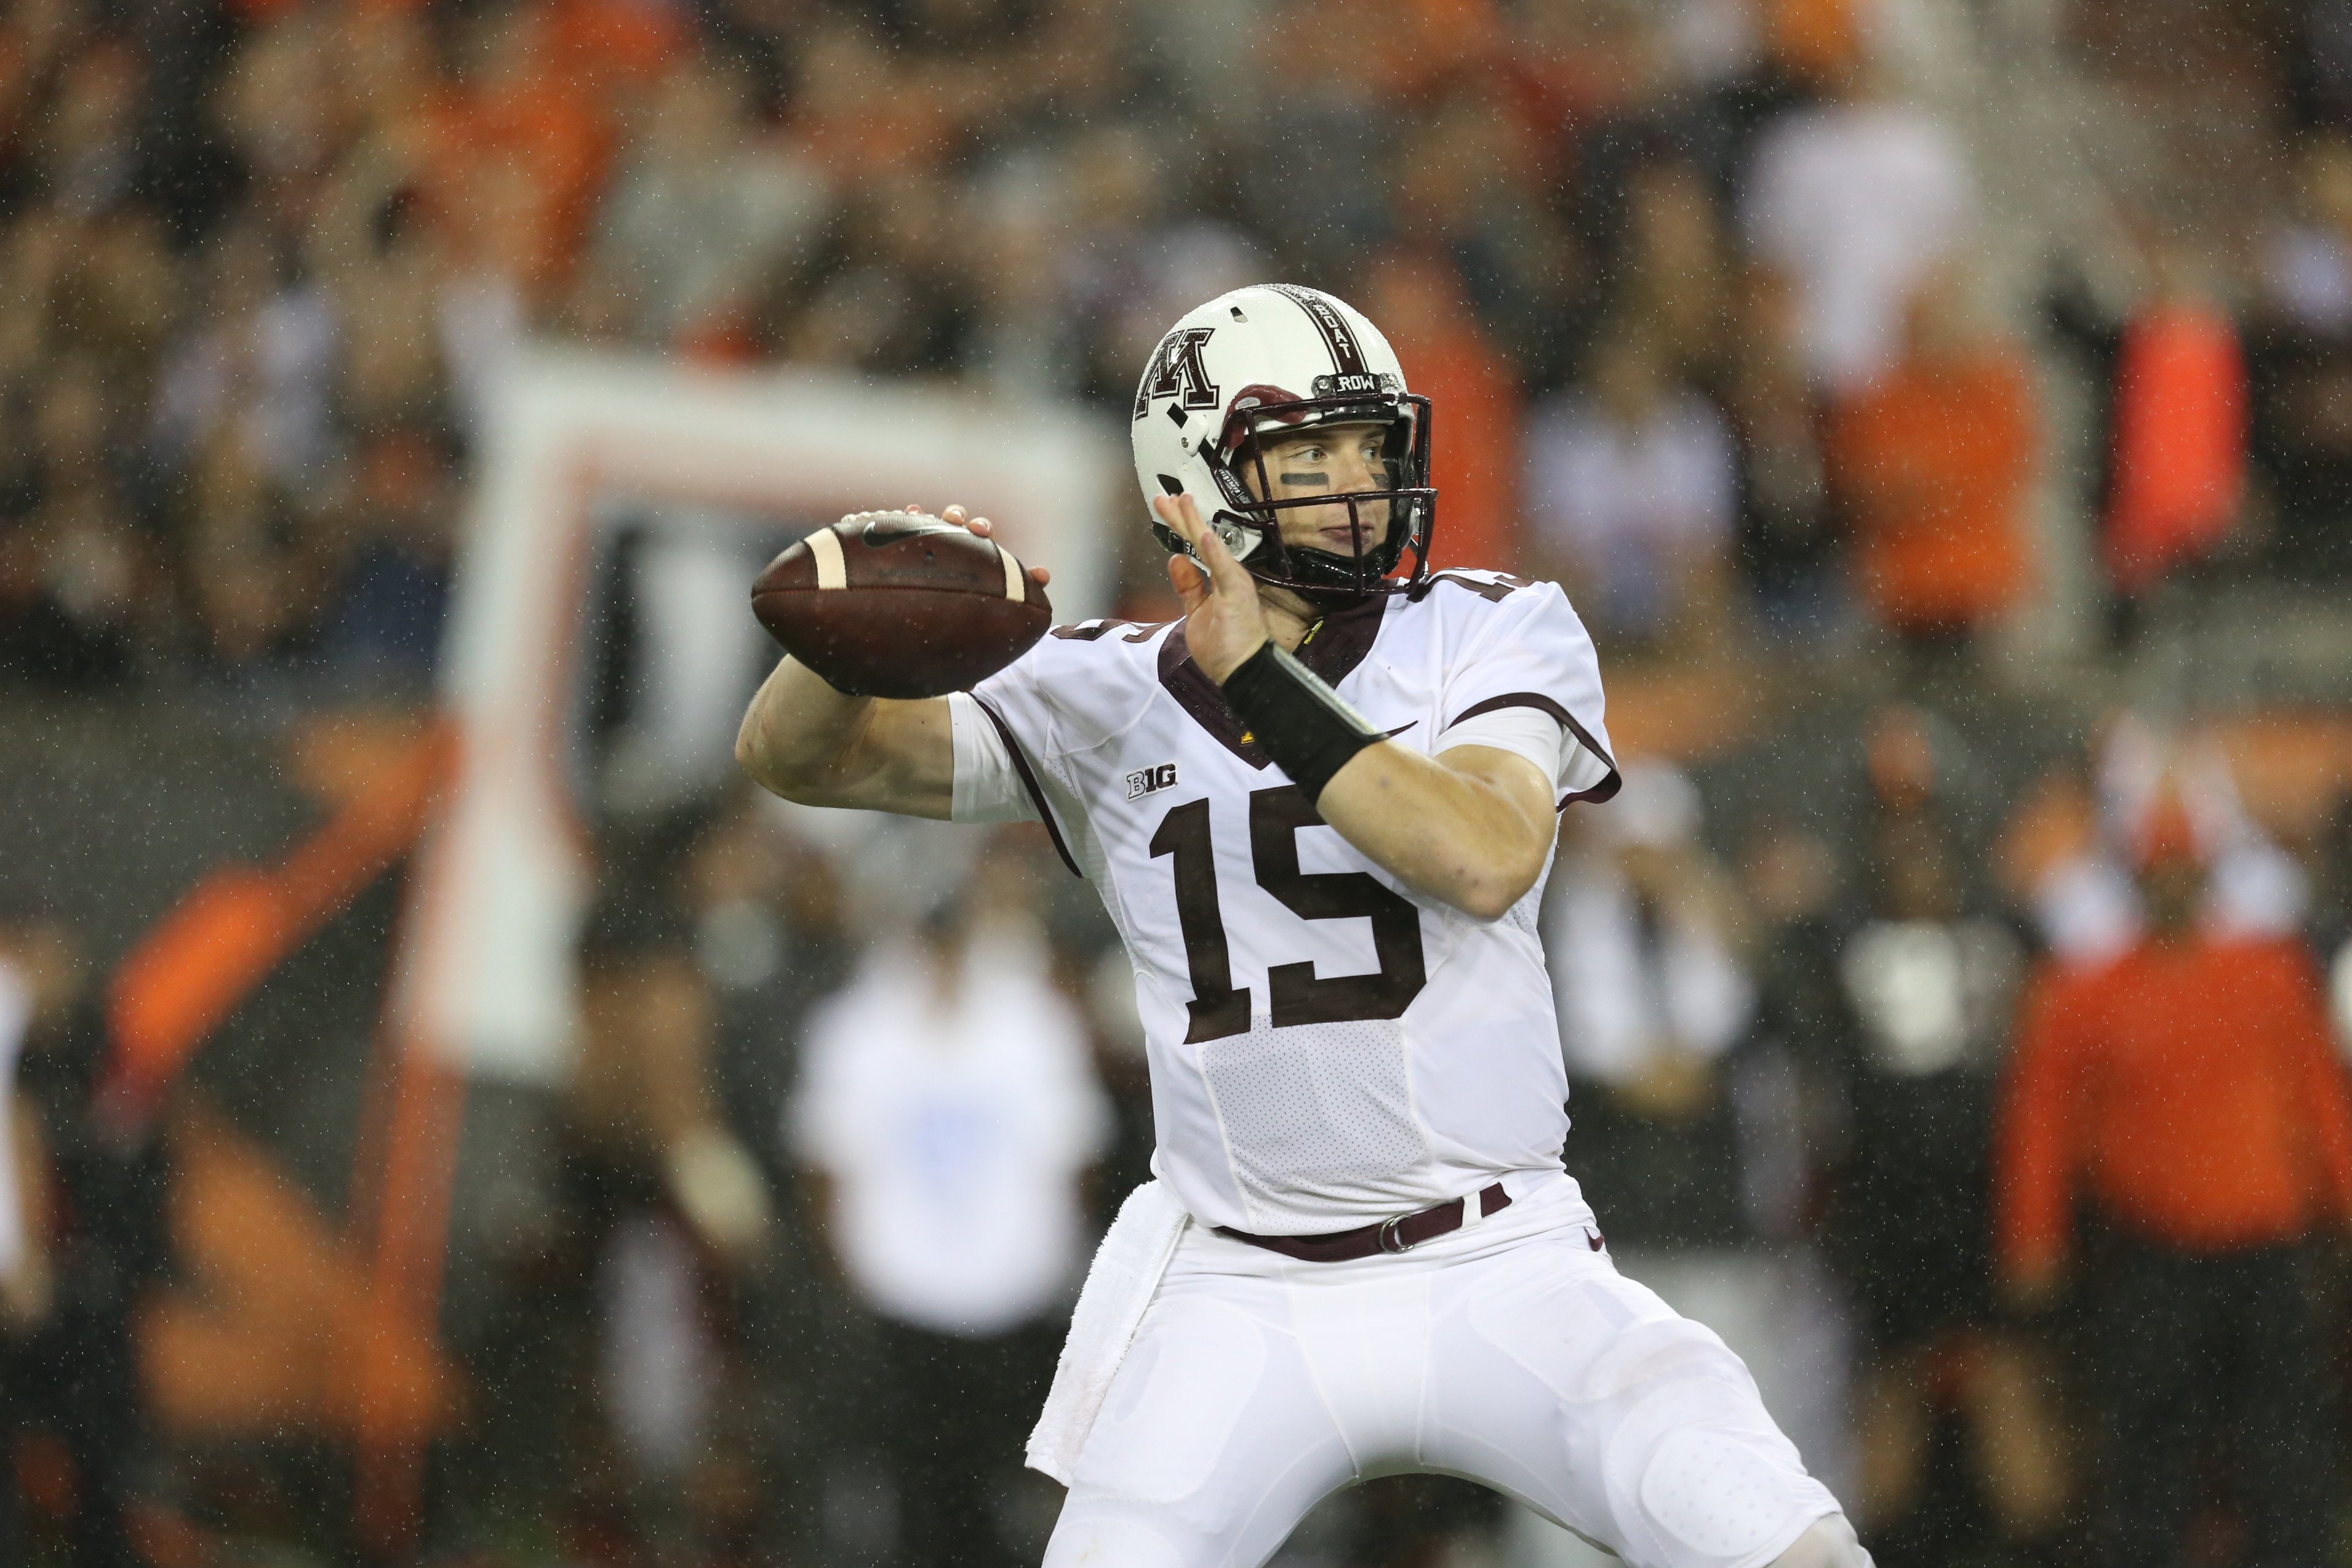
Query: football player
point(1320, 810)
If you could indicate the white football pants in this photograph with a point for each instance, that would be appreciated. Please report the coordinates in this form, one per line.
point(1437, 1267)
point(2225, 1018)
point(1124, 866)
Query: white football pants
point(1511, 1352)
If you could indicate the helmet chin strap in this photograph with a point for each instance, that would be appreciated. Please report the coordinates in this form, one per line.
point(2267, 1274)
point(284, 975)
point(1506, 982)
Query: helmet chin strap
point(1282, 564)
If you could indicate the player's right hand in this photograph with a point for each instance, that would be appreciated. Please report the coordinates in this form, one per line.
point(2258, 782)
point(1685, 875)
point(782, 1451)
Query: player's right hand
point(1224, 621)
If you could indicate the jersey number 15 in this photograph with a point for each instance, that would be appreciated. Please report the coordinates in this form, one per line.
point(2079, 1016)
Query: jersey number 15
point(1297, 994)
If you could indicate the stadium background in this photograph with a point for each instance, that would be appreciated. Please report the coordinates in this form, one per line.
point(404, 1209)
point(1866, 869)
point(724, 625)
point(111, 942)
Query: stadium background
point(1936, 405)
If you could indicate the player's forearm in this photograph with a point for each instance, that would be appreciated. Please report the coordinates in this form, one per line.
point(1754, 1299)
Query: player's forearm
point(1471, 829)
point(1465, 829)
point(804, 741)
point(799, 731)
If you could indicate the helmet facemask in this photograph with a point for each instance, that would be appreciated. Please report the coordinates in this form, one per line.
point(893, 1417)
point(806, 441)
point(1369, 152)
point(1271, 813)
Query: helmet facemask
point(1250, 519)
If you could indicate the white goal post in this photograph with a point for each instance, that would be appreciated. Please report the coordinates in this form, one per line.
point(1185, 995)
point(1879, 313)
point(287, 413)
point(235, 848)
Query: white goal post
point(485, 978)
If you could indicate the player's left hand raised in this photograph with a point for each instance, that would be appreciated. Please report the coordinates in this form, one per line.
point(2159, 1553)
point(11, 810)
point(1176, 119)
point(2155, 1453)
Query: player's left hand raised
point(1223, 622)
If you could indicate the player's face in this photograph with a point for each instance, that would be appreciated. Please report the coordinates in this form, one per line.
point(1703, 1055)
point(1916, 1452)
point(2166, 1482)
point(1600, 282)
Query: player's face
point(1331, 459)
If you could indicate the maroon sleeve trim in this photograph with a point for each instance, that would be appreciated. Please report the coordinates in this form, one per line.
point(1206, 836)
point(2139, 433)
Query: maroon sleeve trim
point(1604, 790)
point(1029, 782)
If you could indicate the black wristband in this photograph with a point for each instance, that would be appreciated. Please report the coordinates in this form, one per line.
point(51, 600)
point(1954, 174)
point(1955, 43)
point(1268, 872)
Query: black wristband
point(1303, 724)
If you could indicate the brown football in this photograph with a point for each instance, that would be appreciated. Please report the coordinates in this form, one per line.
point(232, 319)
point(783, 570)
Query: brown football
point(899, 604)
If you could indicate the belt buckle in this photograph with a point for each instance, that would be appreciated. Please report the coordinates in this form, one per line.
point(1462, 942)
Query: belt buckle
point(1391, 1242)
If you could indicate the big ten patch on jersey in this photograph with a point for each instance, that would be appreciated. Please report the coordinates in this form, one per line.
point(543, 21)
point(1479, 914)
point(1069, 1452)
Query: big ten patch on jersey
point(1150, 781)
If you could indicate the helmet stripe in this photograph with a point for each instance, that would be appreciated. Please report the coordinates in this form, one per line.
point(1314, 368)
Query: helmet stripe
point(1347, 355)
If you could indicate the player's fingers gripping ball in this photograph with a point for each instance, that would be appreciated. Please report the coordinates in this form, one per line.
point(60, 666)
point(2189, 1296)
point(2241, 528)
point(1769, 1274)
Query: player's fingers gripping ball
point(900, 605)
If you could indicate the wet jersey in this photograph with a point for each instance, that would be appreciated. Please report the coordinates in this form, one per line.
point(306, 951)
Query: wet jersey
point(1326, 1048)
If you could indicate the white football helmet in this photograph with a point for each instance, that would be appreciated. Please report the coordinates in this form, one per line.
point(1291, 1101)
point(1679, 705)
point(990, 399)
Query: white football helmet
point(1269, 360)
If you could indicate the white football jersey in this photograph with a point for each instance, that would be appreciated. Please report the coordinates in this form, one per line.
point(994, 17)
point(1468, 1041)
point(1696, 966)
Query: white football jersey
point(1326, 1048)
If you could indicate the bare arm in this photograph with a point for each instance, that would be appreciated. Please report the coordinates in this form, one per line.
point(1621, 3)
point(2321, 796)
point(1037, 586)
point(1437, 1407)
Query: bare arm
point(802, 739)
point(1471, 827)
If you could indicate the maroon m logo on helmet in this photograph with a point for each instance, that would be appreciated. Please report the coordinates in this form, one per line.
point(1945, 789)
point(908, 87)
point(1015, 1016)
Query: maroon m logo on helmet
point(1176, 371)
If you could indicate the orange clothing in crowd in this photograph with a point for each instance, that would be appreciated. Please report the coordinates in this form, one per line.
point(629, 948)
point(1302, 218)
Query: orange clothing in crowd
point(514, 173)
point(1471, 463)
point(1932, 463)
point(1817, 40)
point(604, 42)
point(2180, 450)
point(515, 167)
point(2188, 1091)
point(1474, 455)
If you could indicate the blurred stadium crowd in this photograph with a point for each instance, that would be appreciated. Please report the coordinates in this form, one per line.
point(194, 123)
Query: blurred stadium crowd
point(1940, 411)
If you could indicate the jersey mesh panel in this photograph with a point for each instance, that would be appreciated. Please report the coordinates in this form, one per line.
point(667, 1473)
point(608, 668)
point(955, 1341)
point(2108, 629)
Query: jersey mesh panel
point(1318, 1118)
point(1521, 917)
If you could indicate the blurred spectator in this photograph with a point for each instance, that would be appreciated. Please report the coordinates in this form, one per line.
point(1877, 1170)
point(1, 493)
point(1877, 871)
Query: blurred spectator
point(1325, 138)
point(2303, 443)
point(94, 1245)
point(695, 220)
point(2331, 926)
point(1632, 485)
point(2322, 66)
point(2081, 887)
point(855, 111)
point(1909, 1055)
point(1821, 42)
point(88, 156)
point(663, 1196)
point(1417, 300)
point(1931, 464)
point(1644, 944)
point(1468, 187)
point(2185, 1097)
point(1856, 202)
point(896, 298)
point(1787, 545)
point(2178, 430)
point(248, 569)
point(70, 576)
point(1678, 283)
point(2302, 373)
point(772, 937)
point(384, 619)
point(259, 359)
point(1655, 96)
point(1648, 944)
point(512, 158)
point(26, 1285)
point(2306, 264)
point(947, 1110)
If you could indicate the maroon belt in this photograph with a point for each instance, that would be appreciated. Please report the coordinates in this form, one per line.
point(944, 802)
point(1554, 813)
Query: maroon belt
point(1402, 1234)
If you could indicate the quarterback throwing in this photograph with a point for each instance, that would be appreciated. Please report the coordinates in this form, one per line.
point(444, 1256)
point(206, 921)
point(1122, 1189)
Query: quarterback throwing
point(1320, 810)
